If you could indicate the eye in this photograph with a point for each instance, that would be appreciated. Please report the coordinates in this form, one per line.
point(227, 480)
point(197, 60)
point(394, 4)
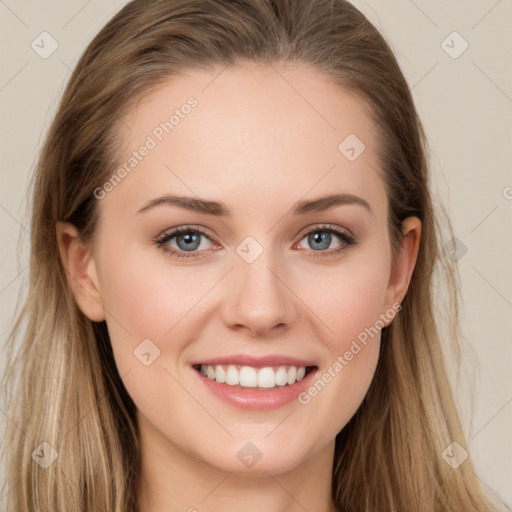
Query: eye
point(321, 238)
point(181, 241)
point(187, 241)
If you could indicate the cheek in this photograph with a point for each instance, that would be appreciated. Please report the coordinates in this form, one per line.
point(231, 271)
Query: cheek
point(157, 303)
point(347, 299)
point(139, 285)
point(142, 300)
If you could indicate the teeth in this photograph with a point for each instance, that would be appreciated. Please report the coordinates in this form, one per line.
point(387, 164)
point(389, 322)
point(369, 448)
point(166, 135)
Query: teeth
point(232, 376)
point(249, 377)
point(281, 376)
point(220, 374)
point(266, 378)
point(292, 375)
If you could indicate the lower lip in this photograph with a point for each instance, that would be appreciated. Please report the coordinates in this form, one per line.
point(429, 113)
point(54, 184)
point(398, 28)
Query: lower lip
point(264, 399)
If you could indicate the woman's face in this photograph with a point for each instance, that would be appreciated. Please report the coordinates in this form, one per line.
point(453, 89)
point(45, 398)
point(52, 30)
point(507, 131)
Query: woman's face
point(258, 278)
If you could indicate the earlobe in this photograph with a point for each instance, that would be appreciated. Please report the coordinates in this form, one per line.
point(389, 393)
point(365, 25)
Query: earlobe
point(404, 261)
point(80, 266)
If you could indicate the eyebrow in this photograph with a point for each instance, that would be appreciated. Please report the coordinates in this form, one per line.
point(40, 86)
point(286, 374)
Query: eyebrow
point(219, 209)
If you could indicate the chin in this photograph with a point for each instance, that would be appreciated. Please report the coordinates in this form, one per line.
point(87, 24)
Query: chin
point(256, 457)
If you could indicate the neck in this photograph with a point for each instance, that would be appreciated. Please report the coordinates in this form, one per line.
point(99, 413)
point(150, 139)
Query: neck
point(173, 480)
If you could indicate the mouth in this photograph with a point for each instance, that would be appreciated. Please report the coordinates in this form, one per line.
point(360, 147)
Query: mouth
point(255, 382)
point(254, 378)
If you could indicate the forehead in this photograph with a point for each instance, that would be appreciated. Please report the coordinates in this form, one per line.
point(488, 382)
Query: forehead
point(248, 131)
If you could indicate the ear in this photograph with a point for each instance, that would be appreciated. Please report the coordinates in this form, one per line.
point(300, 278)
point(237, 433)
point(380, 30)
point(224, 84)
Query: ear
point(77, 258)
point(404, 262)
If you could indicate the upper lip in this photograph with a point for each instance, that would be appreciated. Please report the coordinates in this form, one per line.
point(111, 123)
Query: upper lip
point(256, 361)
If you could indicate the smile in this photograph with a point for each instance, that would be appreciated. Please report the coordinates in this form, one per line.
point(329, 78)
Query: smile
point(268, 377)
point(255, 381)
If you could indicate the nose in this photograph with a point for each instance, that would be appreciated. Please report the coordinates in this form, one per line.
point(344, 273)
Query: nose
point(258, 299)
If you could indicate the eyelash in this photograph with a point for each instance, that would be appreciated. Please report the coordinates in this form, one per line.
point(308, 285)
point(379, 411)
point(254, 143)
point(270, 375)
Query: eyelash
point(348, 240)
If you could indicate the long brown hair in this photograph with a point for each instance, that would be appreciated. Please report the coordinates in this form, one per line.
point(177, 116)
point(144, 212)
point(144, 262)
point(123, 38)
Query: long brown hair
point(69, 393)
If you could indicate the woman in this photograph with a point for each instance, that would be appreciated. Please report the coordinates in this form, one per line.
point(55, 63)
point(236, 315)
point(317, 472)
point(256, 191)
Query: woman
point(235, 241)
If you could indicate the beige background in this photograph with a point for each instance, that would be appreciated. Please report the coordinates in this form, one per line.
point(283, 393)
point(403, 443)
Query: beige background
point(465, 104)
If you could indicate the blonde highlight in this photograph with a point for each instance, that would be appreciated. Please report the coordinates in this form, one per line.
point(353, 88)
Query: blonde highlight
point(70, 395)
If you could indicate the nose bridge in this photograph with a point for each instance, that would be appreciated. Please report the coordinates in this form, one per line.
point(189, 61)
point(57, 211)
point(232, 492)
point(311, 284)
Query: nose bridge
point(259, 300)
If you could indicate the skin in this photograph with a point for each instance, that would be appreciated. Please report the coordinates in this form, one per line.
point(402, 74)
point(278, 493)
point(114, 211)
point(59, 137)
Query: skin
point(258, 145)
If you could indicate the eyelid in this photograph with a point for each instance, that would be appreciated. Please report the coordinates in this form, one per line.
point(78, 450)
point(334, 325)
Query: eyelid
point(342, 233)
point(196, 228)
point(347, 240)
point(162, 239)
point(324, 227)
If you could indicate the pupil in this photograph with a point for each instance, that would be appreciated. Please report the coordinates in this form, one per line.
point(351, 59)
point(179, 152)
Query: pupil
point(323, 237)
point(189, 240)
